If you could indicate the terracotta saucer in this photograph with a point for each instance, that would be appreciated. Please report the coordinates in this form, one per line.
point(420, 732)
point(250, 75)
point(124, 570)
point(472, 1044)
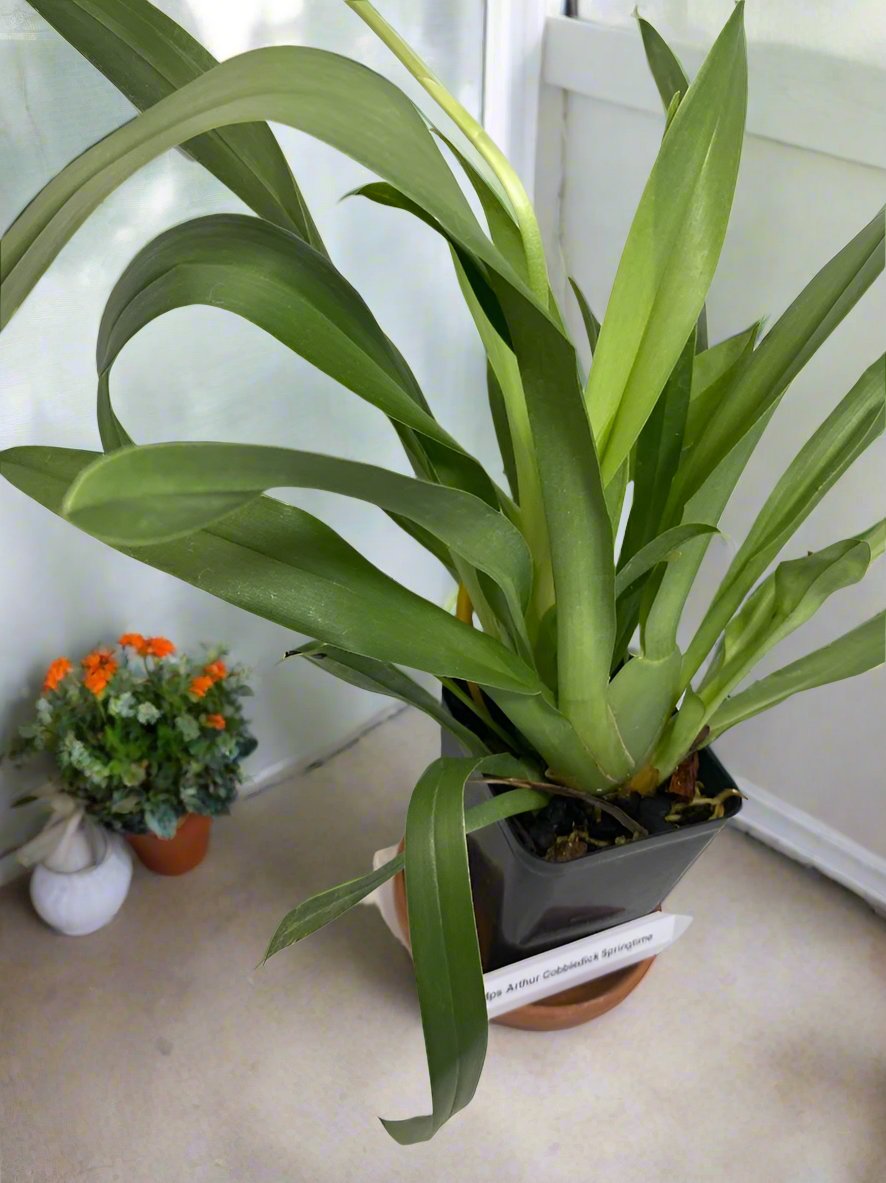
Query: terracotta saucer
point(570, 1008)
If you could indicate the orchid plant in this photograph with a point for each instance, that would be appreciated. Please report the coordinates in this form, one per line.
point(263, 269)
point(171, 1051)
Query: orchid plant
point(564, 653)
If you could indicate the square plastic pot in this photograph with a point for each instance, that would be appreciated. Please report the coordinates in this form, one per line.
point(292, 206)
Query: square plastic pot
point(526, 905)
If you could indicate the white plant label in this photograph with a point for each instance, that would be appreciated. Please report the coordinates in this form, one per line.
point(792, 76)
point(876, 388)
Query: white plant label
point(581, 961)
point(568, 965)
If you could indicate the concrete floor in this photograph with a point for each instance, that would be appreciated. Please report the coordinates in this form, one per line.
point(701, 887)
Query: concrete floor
point(154, 1051)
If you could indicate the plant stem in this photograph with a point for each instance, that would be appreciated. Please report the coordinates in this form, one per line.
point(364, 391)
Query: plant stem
point(520, 204)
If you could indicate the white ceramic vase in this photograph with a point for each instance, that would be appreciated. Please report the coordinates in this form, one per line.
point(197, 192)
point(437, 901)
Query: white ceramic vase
point(77, 902)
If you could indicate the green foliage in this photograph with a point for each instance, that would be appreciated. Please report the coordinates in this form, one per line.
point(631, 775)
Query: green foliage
point(142, 736)
point(548, 680)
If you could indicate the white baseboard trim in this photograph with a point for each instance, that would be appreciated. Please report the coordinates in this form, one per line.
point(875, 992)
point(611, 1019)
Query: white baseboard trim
point(11, 868)
point(800, 836)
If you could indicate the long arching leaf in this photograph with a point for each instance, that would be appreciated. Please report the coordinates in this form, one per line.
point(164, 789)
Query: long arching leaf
point(575, 508)
point(283, 564)
point(850, 428)
point(280, 283)
point(784, 601)
point(854, 653)
point(156, 493)
point(380, 677)
point(148, 56)
point(443, 934)
point(765, 374)
point(321, 909)
point(672, 83)
point(309, 89)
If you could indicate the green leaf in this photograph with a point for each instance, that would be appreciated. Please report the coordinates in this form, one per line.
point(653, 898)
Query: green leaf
point(615, 496)
point(314, 913)
point(483, 298)
point(670, 77)
point(660, 550)
point(445, 952)
point(786, 599)
point(671, 250)
point(667, 599)
point(575, 509)
point(642, 697)
point(303, 88)
point(854, 653)
point(381, 677)
point(499, 412)
point(502, 227)
point(766, 373)
point(683, 734)
point(503, 363)
point(148, 56)
point(672, 83)
point(280, 283)
point(712, 375)
point(591, 324)
point(557, 740)
point(657, 454)
point(475, 272)
point(283, 564)
point(850, 428)
point(156, 493)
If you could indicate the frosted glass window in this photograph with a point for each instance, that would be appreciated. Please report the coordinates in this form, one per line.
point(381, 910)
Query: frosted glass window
point(856, 31)
point(201, 373)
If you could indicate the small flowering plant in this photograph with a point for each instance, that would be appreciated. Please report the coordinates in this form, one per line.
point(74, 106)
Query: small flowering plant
point(143, 735)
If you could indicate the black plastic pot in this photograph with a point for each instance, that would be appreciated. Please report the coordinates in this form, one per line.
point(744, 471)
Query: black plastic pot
point(525, 905)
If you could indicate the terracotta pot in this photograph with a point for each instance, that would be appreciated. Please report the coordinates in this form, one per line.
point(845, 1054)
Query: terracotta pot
point(569, 1008)
point(174, 856)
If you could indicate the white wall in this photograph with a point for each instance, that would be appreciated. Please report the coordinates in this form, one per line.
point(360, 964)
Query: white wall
point(203, 374)
point(823, 752)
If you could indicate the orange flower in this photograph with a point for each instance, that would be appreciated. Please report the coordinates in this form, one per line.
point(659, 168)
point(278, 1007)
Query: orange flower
point(96, 681)
point(100, 667)
point(200, 685)
point(98, 659)
point(132, 641)
point(158, 647)
point(215, 721)
point(217, 670)
point(58, 669)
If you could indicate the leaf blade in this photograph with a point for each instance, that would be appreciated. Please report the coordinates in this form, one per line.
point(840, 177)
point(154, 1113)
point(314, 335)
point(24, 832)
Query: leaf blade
point(283, 564)
point(445, 950)
point(324, 907)
point(658, 294)
point(856, 652)
point(766, 373)
point(383, 678)
point(840, 439)
point(147, 56)
point(279, 283)
point(160, 492)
